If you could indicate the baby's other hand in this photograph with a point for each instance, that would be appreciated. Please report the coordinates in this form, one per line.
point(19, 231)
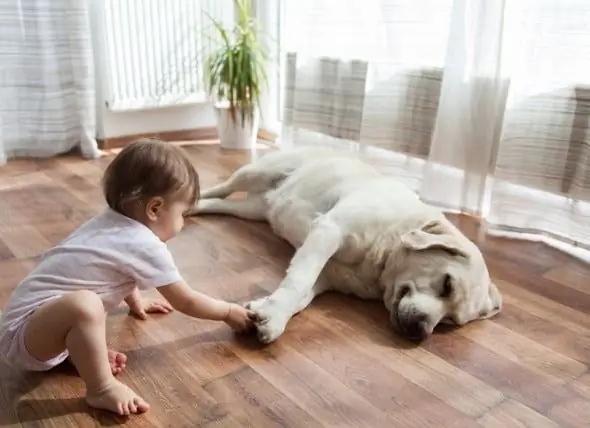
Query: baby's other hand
point(151, 306)
point(239, 318)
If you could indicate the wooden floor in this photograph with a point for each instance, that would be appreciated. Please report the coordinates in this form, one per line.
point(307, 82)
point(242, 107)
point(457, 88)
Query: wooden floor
point(338, 364)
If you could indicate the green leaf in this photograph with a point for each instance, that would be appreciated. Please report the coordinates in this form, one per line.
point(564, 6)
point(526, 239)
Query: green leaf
point(235, 70)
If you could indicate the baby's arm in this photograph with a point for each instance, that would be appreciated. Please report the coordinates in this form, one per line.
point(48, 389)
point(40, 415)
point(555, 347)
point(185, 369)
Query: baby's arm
point(134, 301)
point(198, 305)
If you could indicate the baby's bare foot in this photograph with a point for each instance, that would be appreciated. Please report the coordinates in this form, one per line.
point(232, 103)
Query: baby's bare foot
point(117, 398)
point(118, 361)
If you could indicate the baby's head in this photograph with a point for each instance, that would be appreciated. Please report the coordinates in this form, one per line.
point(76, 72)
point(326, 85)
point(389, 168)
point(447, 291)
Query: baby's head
point(154, 183)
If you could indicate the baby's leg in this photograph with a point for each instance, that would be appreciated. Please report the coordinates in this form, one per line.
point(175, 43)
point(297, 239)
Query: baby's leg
point(76, 322)
point(117, 360)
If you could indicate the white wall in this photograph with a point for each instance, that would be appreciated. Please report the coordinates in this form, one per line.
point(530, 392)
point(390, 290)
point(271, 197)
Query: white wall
point(158, 120)
point(115, 124)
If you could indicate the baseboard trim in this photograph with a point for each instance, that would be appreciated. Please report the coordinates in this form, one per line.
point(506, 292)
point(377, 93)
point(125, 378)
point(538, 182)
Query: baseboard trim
point(197, 134)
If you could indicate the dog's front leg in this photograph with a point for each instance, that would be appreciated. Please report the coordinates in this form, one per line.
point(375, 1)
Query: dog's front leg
point(299, 287)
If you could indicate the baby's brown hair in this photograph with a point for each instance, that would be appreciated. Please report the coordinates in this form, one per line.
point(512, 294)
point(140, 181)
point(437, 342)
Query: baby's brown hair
point(145, 169)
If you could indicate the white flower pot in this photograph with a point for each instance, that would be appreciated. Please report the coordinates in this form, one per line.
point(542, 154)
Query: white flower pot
point(232, 135)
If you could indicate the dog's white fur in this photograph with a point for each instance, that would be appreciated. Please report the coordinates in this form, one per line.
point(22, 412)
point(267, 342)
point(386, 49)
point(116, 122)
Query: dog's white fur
point(357, 232)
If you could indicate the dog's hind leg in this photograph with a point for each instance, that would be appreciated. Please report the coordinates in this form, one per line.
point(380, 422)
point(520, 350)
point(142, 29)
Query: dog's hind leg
point(252, 207)
point(221, 190)
point(246, 179)
point(257, 177)
point(300, 285)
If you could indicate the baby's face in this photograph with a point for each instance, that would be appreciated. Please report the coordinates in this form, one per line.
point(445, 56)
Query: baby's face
point(168, 220)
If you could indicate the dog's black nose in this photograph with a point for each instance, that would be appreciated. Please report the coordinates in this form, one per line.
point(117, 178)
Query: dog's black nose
point(415, 327)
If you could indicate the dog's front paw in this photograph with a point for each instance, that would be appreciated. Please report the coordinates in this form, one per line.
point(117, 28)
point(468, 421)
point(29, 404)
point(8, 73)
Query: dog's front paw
point(271, 319)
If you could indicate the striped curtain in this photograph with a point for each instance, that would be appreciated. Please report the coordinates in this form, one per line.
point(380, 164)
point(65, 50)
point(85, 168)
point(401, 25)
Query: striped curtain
point(47, 103)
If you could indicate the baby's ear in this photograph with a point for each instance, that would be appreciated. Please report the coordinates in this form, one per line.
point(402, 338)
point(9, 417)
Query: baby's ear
point(153, 207)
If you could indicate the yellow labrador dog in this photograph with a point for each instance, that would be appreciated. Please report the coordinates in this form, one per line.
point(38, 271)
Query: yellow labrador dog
point(357, 232)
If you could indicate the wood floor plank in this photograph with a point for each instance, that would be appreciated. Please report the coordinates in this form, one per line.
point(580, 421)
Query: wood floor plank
point(573, 412)
point(12, 271)
point(546, 330)
point(197, 343)
point(570, 275)
point(252, 401)
point(226, 421)
point(519, 349)
point(582, 386)
point(544, 307)
point(321, 395)
point(512, 271)
point(511, 413)
point(5, 252)
point(171, 390)
point(514, 380)
point(24, 241)
point(14, 180)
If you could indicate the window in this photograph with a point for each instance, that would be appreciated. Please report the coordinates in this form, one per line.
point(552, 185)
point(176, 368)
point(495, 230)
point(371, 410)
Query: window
point(152, 50)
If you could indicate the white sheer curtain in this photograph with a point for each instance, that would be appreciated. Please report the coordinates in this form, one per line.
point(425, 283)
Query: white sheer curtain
point(47, 103)
point(481, 106)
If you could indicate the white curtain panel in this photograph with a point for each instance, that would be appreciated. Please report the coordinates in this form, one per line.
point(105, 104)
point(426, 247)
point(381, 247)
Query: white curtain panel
point(47, 103)
point(541, 179)
point(481, 106)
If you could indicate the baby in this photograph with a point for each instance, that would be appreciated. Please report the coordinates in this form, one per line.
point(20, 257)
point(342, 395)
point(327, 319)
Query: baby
point(59, 310)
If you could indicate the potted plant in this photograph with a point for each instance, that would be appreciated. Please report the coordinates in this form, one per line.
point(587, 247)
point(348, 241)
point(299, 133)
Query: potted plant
point(234, 77)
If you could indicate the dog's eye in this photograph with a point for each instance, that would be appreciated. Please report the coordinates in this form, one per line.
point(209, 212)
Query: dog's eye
point(447, 288)
point(404, 290)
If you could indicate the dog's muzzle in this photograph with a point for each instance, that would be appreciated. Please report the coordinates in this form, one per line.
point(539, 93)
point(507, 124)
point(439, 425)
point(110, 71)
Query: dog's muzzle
point(414, 327)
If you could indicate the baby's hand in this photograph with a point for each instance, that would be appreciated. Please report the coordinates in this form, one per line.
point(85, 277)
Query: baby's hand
point(239, 318)
point(151, 306)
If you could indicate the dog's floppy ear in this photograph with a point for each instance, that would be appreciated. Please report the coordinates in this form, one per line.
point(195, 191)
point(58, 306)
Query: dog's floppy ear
point(432, 235)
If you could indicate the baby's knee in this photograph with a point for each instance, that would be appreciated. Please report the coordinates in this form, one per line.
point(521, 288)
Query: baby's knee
point(86, 305)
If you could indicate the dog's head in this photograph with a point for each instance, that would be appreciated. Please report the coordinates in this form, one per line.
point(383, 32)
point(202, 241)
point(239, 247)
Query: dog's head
point(437, 275)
